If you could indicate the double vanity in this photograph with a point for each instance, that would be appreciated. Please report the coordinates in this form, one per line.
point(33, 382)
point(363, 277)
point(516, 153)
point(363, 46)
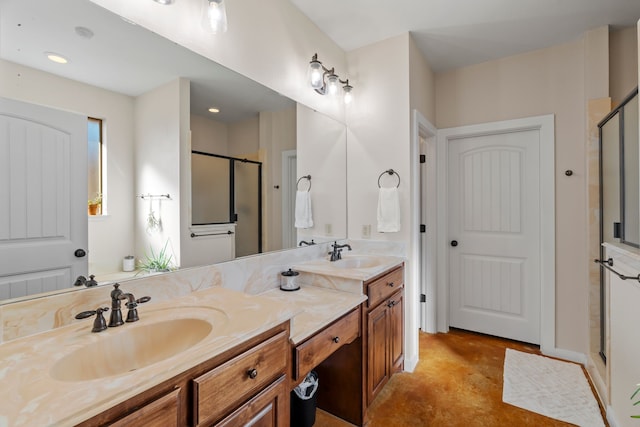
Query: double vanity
point(218, 356)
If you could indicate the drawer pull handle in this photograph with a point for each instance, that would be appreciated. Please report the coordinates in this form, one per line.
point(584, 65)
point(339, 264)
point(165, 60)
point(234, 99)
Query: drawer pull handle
point(252, 373)
point(391, 284)
point(336, 340)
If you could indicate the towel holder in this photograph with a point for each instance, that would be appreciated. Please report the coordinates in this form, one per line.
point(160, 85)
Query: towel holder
point(390, 172)
point(308, 178)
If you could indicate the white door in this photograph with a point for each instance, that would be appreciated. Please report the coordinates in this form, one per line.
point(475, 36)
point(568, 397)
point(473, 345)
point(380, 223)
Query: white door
point(43, 198)
point(494, 233)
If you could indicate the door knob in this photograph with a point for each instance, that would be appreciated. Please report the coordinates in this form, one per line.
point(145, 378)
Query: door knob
point(454, 243)
point(80, 253)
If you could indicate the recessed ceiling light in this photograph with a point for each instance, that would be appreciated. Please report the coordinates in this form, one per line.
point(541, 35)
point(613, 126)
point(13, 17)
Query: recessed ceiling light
point(164, 2)
point(56, 57)
point(214, 110)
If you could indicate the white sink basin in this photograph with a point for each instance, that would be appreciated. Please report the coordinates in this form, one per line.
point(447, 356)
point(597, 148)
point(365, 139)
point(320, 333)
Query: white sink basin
point(131, 347)
point(355, 262)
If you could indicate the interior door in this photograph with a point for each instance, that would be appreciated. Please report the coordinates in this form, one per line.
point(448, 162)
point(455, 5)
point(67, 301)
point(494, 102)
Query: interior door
point(43, 198)
point(494, 229)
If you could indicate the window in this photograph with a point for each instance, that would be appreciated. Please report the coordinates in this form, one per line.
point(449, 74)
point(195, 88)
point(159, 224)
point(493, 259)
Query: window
point(94, 173)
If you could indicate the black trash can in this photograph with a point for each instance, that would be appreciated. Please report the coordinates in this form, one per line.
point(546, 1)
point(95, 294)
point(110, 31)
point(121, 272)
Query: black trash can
point(303, 401)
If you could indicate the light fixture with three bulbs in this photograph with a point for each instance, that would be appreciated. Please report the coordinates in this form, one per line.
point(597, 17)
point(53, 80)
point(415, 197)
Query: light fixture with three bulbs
point(326, 82)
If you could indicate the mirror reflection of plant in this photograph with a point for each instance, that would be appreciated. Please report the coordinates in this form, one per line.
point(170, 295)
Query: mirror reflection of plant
point(96, 200)
point(162, 261)
point(637, 402)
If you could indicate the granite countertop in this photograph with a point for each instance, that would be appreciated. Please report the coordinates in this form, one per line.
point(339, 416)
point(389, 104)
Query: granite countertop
point(30, 396)
point(315, 307)
point(352, 266)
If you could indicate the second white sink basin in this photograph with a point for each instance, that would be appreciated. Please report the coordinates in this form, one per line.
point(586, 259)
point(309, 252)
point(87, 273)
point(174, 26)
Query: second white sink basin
point(131, 347)
point(355, 262)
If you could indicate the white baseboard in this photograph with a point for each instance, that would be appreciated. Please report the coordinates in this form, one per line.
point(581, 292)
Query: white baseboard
point(611, 419)
point(410, 364)
point(571, 356)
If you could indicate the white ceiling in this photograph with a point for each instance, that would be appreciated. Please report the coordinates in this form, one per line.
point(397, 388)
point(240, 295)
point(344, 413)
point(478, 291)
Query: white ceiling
point(455, 33)
point(123, 57)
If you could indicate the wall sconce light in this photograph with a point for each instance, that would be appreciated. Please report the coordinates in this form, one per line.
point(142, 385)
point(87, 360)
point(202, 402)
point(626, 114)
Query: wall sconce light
point(326, 82)
point(214, 16)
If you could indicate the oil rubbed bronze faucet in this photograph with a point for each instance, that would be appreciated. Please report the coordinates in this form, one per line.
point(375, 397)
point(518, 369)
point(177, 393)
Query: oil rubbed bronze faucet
point(115, 319)
point(116, 301)
point(336, 253)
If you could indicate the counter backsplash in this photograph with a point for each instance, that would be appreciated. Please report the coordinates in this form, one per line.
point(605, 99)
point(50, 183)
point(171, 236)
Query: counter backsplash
point(252, 275)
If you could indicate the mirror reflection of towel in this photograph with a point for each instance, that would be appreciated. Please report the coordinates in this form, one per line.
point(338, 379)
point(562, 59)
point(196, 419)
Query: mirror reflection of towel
point(388, 210)
point(304, 218)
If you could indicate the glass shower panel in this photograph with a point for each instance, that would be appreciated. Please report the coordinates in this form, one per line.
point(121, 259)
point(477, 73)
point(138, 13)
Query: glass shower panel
point(248, 196)
point(610, 178)
point(210, 189)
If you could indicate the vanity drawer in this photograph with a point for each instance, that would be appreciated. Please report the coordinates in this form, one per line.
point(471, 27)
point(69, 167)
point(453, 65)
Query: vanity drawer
point(226, 387)
point(316, 349)
point(383, 287)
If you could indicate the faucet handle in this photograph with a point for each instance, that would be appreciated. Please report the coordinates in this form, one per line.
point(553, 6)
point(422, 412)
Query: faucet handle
point(99, 324)
point(132, 314)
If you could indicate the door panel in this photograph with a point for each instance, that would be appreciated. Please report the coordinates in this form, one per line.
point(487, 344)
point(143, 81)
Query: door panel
point(494, 217)
point(43, 198)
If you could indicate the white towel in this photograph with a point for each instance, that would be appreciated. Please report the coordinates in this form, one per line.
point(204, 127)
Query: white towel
point(304, 218)
point(388, 210)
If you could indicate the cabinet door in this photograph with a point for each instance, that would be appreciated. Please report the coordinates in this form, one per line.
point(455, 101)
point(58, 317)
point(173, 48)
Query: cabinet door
point(378, 331)
point(268, 408)
point(396, 338)
point(162, 412)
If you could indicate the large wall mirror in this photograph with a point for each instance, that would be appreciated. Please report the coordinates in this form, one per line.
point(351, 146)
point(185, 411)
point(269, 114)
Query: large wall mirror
point(137, 82)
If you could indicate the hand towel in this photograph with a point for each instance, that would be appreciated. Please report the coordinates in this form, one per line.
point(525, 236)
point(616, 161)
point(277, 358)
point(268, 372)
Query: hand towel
point(304, 217)
point(388, 210)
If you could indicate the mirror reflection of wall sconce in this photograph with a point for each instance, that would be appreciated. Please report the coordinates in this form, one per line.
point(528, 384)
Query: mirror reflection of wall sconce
point(330, 84)
point(214, 16)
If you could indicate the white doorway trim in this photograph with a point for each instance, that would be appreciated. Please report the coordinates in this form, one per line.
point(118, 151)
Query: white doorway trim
point(545, 126)
point(425, 263)
point(289, 161)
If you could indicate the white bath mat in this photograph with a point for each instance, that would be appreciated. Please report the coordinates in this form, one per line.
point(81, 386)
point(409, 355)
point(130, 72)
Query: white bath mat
point(549, 387)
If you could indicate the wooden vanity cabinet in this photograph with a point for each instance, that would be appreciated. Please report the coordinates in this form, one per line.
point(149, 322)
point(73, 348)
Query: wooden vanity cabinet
point(354, 375)
point(248, 384)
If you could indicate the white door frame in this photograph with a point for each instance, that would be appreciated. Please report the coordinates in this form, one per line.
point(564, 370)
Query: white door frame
point(289, 237)
point(545, 125)
point(425, 267)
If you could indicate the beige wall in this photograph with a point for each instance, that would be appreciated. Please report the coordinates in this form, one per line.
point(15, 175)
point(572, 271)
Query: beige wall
point(111, 236)
point(421, 83)
point(623, 63)
point(541, 82)
point(244, 138)
point(157, 154)
point(209, 135)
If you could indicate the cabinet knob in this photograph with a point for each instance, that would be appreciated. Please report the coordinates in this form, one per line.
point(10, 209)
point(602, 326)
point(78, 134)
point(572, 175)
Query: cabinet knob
point(391, 284)
point(391, 304)
point(252, 373)
point(336, 340)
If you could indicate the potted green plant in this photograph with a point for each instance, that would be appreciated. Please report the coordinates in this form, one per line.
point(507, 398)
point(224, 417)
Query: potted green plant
point(157, 262)
point(95, 204)
point(636, 403)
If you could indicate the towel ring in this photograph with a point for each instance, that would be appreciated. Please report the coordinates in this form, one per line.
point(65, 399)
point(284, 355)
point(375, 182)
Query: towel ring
point(308, 178)
point(390, 172)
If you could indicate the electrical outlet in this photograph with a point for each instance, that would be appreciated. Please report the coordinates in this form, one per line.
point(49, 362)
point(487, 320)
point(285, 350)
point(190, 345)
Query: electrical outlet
point(328, 229)
point(366, 231)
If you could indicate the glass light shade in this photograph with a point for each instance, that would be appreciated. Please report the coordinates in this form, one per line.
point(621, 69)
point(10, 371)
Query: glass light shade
point(164, 2)
point(214, 16)
point(315, 74)
point(348, 94)
point(332, 84)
